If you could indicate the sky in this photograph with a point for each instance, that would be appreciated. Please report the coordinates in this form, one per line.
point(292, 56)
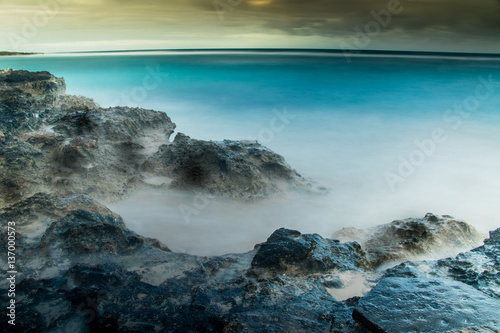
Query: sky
point(98, 25)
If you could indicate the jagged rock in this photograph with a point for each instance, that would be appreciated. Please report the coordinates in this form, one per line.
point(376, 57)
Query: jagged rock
point(91, 274)
point(479, 268)
point(34, 215)
point(68, 143)
point(98, 292)
point(23, 96)
point(494, 238)
point(47, 245)
point(75, 103)
point(408, 239)
point(82, 232)
point(38, 84)
point(288, 251)
point(57, 143)
point(426, 305)
point(98, 296)
point(118, 124)
point(235, 169)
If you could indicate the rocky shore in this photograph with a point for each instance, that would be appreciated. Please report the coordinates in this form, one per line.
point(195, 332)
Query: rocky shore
point(80, 269)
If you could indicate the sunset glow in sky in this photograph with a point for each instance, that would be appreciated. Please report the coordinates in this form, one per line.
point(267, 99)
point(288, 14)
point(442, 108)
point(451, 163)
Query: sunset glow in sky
point(88, 25)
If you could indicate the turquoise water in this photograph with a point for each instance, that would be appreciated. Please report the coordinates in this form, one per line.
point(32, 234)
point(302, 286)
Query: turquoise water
point(347, 125)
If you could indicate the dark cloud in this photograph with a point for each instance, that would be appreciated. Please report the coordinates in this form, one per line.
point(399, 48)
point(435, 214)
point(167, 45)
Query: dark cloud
point(329, 17)
point(454, 20)
point(463, 23)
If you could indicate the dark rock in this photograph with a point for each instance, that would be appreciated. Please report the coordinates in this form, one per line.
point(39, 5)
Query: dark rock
point(178, 292)
point(479, 268)
point(426, 305)
point(494, 239)
point(54, 142)
point(35, 214)
point(290, 252)
point(235, 169)
point(23, 96)
point(408, 239)
point(82, 232)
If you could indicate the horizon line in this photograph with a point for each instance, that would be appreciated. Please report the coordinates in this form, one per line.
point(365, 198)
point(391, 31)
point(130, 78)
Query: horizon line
point(298, 50)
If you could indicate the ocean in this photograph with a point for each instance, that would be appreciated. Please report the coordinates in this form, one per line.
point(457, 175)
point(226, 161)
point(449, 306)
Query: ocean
point(391, 136)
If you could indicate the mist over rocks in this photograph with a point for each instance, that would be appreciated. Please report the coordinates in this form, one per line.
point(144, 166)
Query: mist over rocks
point(53, 142)
point(479, 268)
point(242, 170)
point(87, 272)
point(88, 265)
point(80, 269)
point(409, 239)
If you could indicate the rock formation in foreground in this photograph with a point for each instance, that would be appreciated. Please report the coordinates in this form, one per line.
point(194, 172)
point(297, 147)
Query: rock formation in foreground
point(81, 270)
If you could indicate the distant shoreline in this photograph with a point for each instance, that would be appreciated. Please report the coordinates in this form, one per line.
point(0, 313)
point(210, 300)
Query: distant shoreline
point(353, 52)
point(5, 53)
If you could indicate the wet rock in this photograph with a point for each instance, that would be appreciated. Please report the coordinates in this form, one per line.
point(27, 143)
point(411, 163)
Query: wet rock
point(479, 268)
point(209, 295)
point(289, 251)
point(408, 239)
point(426, 305)
point(97, 276)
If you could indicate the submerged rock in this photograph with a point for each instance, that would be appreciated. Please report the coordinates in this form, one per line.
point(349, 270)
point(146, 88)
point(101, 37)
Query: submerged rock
point(401, 240)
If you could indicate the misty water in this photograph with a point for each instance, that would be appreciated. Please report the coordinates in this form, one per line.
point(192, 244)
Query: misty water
point(390, 137)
